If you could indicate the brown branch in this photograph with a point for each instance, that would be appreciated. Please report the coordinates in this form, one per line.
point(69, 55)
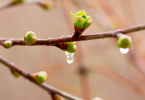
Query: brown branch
point(45, 86)
point(71, 38)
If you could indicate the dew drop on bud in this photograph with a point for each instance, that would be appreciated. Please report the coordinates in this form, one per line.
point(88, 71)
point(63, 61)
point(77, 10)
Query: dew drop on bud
point(69, 57)
point(124, 51)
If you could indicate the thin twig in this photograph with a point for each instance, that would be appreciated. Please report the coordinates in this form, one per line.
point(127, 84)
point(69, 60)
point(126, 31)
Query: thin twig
point(45, 86)
point(70, 38)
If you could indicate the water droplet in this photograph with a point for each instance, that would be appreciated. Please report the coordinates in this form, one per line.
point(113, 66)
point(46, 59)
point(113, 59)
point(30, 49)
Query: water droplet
point(124, 51)
point(69, 57)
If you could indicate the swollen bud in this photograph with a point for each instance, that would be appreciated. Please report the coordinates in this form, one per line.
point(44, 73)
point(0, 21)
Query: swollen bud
point(7, 43)
point(30, 37)
point(18, 1)
point(40, 77)
point(67, 46)
point(124, 41)
point(15, 73)
point(57, 97)
point(88, 22)
point(81, 21)
point(71, 47)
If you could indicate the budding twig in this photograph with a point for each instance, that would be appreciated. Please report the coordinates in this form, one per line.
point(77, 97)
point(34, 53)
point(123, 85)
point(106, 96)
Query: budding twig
point(70, 38)
point(45, 86)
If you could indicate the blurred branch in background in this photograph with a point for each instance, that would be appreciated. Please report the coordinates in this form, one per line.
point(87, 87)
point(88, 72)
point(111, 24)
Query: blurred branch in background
point(46, 4)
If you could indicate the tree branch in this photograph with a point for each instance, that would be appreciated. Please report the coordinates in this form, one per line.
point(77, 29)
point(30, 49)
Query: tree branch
point(45, 86)
point(71, 38)
point(11, 3)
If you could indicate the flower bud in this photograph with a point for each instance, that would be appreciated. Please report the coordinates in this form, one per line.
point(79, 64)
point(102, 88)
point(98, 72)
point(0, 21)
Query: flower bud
point(7, 43)
point(67, 46)
point(71, 47)
point(30, 37)
point(81, 22)
point(88, 22)
point(40, 77)
point(124, 41)
point(18, 1)
point(15, 73)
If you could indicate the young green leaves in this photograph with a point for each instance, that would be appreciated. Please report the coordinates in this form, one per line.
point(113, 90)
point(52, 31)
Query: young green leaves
point(81, 21)
point(40, 77)
point(30, 38)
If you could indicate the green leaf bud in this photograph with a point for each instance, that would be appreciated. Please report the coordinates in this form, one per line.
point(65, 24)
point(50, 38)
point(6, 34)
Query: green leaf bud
point(7, 43)
point(30, 37)
point(79, 22)
point(40, 77)
point(88, 22)
point(81, 13)
point(71, 47)
point(124, 41)
point(57, 97)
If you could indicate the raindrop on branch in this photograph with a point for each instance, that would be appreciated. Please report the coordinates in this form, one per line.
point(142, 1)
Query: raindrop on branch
point(69, 57)
point(124, 51)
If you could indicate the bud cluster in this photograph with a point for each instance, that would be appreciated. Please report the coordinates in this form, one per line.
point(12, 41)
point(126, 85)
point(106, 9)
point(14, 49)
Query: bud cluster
point(81, 21)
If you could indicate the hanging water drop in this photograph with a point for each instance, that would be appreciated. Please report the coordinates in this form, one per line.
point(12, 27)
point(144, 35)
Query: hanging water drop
point(69, 57)
point(124, 51)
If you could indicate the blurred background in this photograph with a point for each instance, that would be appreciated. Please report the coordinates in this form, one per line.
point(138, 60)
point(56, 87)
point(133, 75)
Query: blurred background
point(113, 75)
